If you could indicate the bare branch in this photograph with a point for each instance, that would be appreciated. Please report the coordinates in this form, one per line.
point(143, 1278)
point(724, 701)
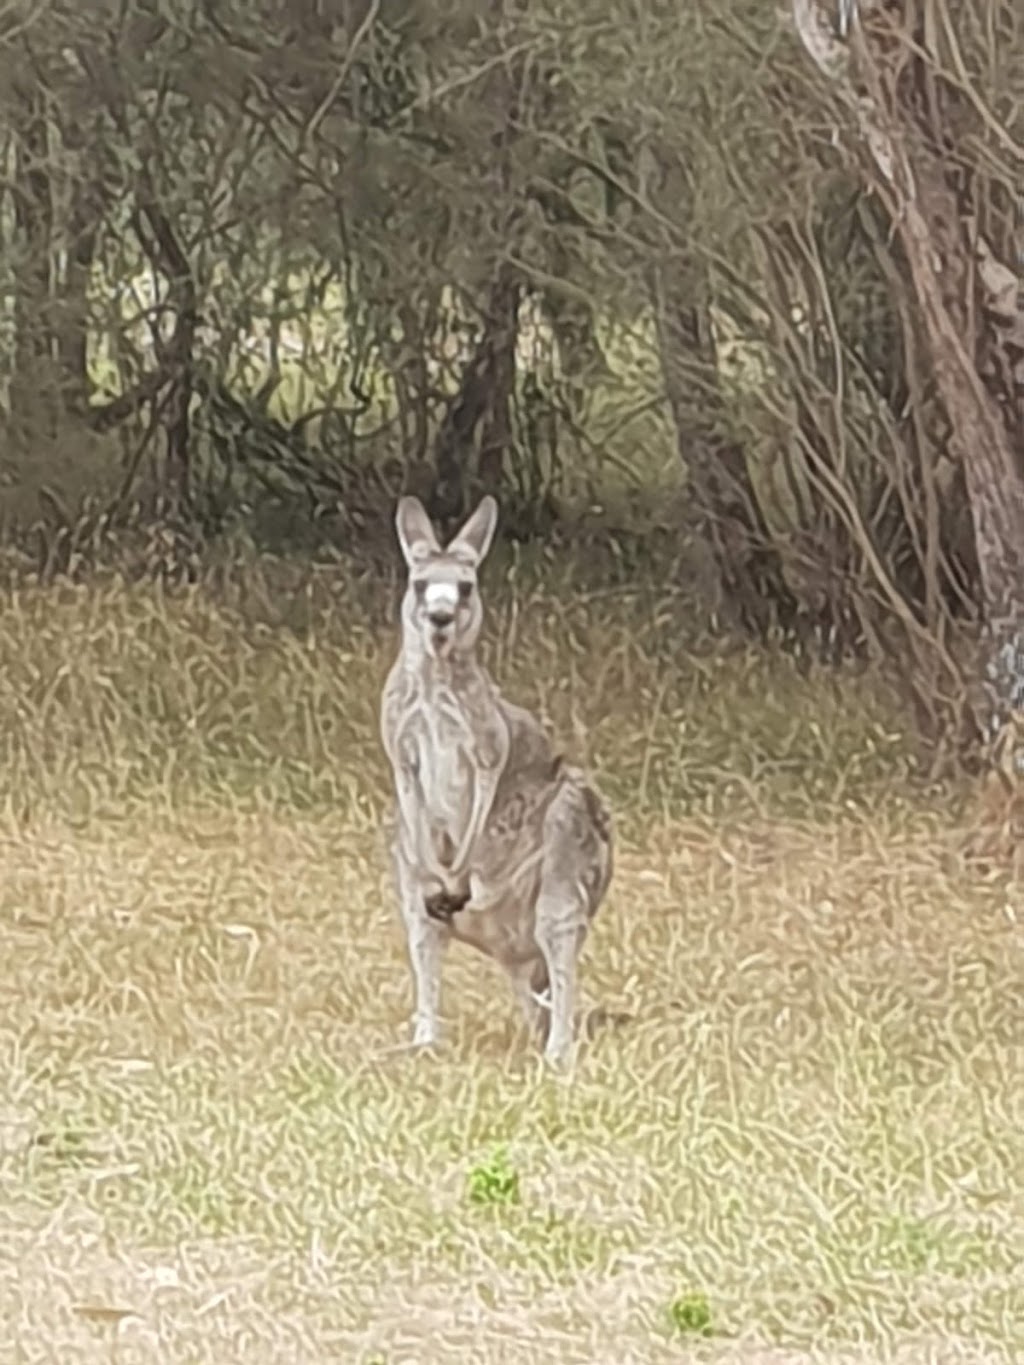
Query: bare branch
point(320, 113)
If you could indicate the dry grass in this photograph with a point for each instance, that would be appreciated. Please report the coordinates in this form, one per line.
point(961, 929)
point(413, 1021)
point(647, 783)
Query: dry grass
point(815, 1125)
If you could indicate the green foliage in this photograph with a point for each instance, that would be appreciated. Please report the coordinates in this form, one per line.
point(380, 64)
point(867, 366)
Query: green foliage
point(494, 1181)
point(690, 1315)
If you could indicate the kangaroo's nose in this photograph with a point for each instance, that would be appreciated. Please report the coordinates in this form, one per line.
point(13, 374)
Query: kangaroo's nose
point(441, 617)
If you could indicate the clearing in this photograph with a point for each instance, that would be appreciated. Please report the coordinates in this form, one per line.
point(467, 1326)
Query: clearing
point(810, 1140)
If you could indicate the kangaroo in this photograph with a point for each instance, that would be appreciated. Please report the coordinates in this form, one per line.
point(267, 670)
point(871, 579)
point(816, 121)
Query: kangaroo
point(497, 842)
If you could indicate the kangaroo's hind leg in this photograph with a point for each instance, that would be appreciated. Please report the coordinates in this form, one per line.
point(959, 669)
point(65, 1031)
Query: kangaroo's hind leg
point(533, 992)
point(575, 869)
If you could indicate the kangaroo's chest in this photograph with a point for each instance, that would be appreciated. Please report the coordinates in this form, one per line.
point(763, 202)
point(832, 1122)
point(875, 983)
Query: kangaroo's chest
point(441, 744)
point(449, 746)
point(446, 762)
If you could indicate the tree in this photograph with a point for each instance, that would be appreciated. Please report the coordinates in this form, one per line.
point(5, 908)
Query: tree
point(903, 82)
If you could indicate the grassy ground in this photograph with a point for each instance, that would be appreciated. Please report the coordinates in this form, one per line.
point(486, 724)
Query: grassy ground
point(809, 1144)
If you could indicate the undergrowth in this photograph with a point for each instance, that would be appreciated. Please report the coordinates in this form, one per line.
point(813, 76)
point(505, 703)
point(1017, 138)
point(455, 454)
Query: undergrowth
point(262, 686)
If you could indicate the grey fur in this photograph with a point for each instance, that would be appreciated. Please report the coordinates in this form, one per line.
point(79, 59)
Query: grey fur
point(498, 842)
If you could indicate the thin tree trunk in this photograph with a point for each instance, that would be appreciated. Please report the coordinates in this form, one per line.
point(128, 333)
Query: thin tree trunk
point(480, 418)
point(88, 204)
point(496, 435)
point(476, 431)
point(725, 512)
point(160, 242)
point(33, 406)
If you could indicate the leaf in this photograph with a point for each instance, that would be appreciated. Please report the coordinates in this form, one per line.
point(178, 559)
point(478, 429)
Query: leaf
point(98, 1312)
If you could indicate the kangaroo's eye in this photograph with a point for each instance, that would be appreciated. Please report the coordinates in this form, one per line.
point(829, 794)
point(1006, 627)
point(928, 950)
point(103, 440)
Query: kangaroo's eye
point(465, 591)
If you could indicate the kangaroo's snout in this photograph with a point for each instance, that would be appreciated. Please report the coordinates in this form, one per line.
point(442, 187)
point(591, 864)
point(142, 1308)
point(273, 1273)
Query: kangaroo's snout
point(441, 617)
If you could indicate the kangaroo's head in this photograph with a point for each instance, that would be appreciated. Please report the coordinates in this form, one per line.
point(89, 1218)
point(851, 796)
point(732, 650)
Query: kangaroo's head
point(441, 611)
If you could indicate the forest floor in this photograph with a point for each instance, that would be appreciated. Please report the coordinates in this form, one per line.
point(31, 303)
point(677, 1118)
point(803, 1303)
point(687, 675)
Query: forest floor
point(808, 1144)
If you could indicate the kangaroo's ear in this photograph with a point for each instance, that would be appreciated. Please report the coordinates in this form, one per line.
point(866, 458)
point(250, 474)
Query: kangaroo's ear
point(415, 533)
point(474, 540)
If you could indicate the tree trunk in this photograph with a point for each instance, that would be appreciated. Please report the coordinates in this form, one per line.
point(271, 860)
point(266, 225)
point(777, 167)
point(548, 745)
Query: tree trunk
point(88, 204)
point(969, 317)
point(496, 436)
point(480, 416)
point(725, 512)
point(33, 405)
point(162, 246)
point(478, 420)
